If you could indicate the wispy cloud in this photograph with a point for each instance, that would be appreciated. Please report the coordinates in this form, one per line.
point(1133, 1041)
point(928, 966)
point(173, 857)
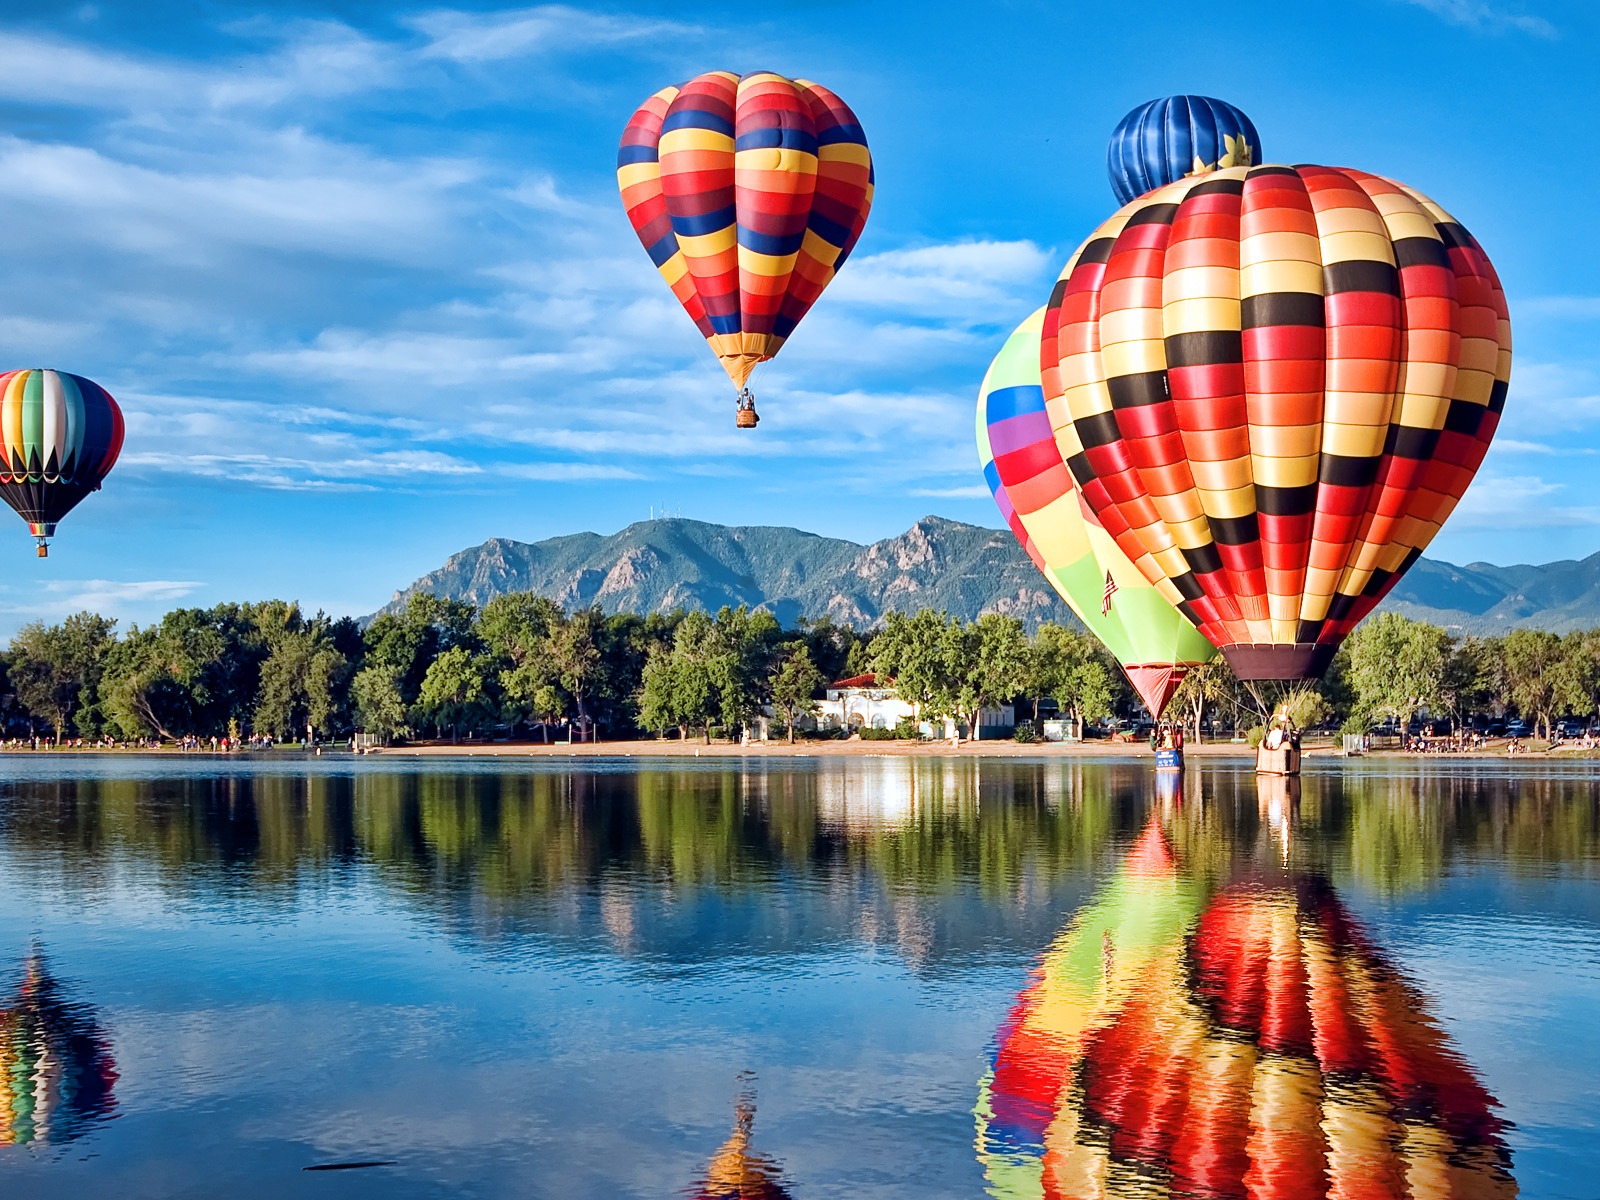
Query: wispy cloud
point(1575, 308)
point(518, 33)
point(1502, 503)
point(310, 61)
point(1487, 18)
point(958, 281)
point(139, 600)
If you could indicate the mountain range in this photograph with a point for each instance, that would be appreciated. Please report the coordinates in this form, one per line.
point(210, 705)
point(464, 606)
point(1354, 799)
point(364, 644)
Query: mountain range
point(661, 565)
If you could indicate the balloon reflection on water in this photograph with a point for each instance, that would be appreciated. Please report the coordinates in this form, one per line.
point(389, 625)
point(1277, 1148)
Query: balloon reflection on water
point(1249, 1043)
point(736, 1171)
point(56, 1070)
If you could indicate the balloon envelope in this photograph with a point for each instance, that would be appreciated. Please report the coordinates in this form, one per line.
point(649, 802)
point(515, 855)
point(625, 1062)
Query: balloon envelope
point(59, 436)
point(1035, 492)
point(1273, 385)
point(1163, 140)
point(748, 193)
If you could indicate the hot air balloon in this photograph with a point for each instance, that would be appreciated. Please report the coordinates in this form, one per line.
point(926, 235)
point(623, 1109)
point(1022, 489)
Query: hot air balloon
point(1273, 384)
point(56, 1071)
point(748, 193)
point(60, 435)
point(1163, 140)
point(1154, 642)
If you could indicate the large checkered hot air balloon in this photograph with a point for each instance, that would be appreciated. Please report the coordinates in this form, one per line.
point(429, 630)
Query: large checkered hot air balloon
point(1273, 384)
point(748, 193)
point(1152, 640)
point(60, 435)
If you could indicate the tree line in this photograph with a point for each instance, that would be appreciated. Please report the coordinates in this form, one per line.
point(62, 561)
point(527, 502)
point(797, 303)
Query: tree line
point(521, 665)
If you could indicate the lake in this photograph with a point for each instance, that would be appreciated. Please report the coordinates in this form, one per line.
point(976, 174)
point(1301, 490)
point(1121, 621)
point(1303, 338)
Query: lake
point(865, 976)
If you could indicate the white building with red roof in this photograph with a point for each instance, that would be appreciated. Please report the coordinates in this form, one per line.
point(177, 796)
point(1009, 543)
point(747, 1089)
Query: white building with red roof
point(867, 702)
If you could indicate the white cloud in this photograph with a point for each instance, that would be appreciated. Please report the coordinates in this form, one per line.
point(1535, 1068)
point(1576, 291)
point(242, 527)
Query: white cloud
point(337, 203)
point(124, 600)
point(1578, 308)
point(975, 491)
point(1505, 502)
point(1547, 404)
point(1487, 18)
point(565, 471)
point(518, 33)
point(316, 60)
point(962, 281)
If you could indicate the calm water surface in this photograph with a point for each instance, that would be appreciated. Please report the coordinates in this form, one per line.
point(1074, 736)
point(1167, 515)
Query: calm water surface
point(868, 977)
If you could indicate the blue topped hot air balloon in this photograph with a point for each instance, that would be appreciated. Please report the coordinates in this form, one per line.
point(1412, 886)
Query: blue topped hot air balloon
point(1163, 140)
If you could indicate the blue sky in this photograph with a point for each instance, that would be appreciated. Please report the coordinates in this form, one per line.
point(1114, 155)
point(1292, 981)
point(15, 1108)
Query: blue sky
point(359, 276)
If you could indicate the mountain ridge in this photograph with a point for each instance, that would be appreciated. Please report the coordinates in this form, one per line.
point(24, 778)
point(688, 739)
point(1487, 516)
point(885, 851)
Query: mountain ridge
point(675, 562)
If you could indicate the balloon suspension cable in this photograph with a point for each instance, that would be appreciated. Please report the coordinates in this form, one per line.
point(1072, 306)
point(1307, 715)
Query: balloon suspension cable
point(745, 410)
point(44, 546)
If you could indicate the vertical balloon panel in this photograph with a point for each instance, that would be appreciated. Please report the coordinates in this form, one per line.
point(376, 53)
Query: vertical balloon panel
point(1153, 642)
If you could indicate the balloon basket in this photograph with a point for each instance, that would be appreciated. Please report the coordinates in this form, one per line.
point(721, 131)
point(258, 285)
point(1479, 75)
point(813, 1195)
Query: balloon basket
point(1169, 760)
point(43, 551)
point(1277, 760)
point(745, 418)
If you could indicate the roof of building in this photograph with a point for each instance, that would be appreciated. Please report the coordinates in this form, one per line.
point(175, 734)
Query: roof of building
point(868, 680)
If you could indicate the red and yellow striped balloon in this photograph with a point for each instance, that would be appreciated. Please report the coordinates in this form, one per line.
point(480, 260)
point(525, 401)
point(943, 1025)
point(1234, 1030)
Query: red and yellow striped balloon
point(1273, 385)
point(748, 193)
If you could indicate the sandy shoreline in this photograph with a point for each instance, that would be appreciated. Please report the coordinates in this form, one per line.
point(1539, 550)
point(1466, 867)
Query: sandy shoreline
point(780, 749)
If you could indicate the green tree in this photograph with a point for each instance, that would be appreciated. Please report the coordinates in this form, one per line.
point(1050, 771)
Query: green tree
point(1068, 666)
point(626, 642)
point(987, 664)
point(195, 672)
point(1536, 676)
point(305, 678)
point(376, 701)
point(56, 669)
point(741, 649)
point(794, 684)
point(413, 638)
point(1397, 666)
point(1581, 668)
point(515, 630)
point(456, 691)
point(834, 648)
point(678, 688)
point(1207, 685)
point(1467, 685)
point(910, 651)
point(573, 651)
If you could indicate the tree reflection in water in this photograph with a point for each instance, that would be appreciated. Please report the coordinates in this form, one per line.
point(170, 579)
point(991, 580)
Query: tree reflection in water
point(1244, 1040)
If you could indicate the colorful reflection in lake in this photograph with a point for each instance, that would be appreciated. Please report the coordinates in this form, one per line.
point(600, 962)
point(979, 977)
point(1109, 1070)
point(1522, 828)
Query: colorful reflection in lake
point(56, 1071)
point(510, 978)
point(1249, 1043)
point(737, 1172)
